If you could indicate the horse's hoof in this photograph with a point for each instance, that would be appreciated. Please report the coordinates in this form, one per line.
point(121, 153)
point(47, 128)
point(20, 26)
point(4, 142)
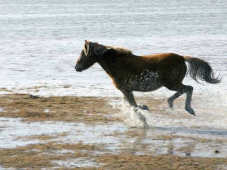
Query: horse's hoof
point(193, 114)
point(190, 110)
point(144, 107)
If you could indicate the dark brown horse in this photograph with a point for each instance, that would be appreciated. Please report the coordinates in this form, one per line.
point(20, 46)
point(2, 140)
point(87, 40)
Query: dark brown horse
point(146, 73)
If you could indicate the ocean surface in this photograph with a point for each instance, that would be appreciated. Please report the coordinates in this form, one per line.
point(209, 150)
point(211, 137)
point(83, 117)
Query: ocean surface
point(40, 41)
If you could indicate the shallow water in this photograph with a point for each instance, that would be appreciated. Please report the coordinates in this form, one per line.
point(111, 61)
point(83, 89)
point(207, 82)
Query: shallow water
point(79, 162)
point(117, 137)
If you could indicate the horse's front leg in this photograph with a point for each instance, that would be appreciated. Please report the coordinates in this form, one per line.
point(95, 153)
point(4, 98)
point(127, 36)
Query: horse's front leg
point(128, 96)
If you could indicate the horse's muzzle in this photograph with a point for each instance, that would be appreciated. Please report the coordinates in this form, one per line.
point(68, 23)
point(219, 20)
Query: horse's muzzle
point(78, 69)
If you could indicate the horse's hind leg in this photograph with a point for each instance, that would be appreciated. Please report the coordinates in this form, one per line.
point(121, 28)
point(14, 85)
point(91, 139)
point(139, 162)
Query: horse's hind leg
point(189, 90)
point(172, 77)
point(173, 97)
point(180, 90)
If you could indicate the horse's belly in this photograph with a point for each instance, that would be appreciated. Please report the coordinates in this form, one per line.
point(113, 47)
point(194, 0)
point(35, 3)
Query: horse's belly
point(147, 82)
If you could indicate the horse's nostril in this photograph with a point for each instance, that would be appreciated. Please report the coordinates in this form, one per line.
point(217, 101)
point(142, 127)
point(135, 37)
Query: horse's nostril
point(79, 69)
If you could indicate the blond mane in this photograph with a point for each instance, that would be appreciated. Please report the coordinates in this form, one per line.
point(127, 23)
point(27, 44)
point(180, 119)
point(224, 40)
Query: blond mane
point(120, 49)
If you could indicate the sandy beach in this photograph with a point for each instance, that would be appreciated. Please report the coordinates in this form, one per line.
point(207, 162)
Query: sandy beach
point(86, 133)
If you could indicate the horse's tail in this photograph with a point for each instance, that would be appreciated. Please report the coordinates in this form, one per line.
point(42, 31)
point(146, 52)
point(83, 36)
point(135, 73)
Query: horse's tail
point(201, 69)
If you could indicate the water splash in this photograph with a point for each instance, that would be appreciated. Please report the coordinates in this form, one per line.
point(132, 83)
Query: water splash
point(207, 116)
point(133, 117)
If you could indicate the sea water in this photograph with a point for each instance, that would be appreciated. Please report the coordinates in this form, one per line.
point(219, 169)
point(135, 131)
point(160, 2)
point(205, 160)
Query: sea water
point(41, 40)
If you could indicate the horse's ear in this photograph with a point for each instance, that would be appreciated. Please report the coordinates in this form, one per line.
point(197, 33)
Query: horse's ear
point(86, 47)
point(87, 42)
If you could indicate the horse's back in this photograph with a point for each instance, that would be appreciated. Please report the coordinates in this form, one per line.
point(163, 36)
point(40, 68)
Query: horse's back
point(163, 57)
point(164, 61)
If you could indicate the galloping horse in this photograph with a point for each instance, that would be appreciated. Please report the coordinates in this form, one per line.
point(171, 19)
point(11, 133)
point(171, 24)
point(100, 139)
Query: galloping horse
point(146, 73)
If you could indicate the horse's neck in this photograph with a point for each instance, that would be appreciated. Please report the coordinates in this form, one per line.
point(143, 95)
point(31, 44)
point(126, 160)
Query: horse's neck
point(106, 66)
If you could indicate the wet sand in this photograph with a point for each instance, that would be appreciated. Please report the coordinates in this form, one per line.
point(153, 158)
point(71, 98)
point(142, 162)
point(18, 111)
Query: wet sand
point(88, 133)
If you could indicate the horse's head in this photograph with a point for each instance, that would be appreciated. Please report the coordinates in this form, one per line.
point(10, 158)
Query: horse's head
point(89, 55)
